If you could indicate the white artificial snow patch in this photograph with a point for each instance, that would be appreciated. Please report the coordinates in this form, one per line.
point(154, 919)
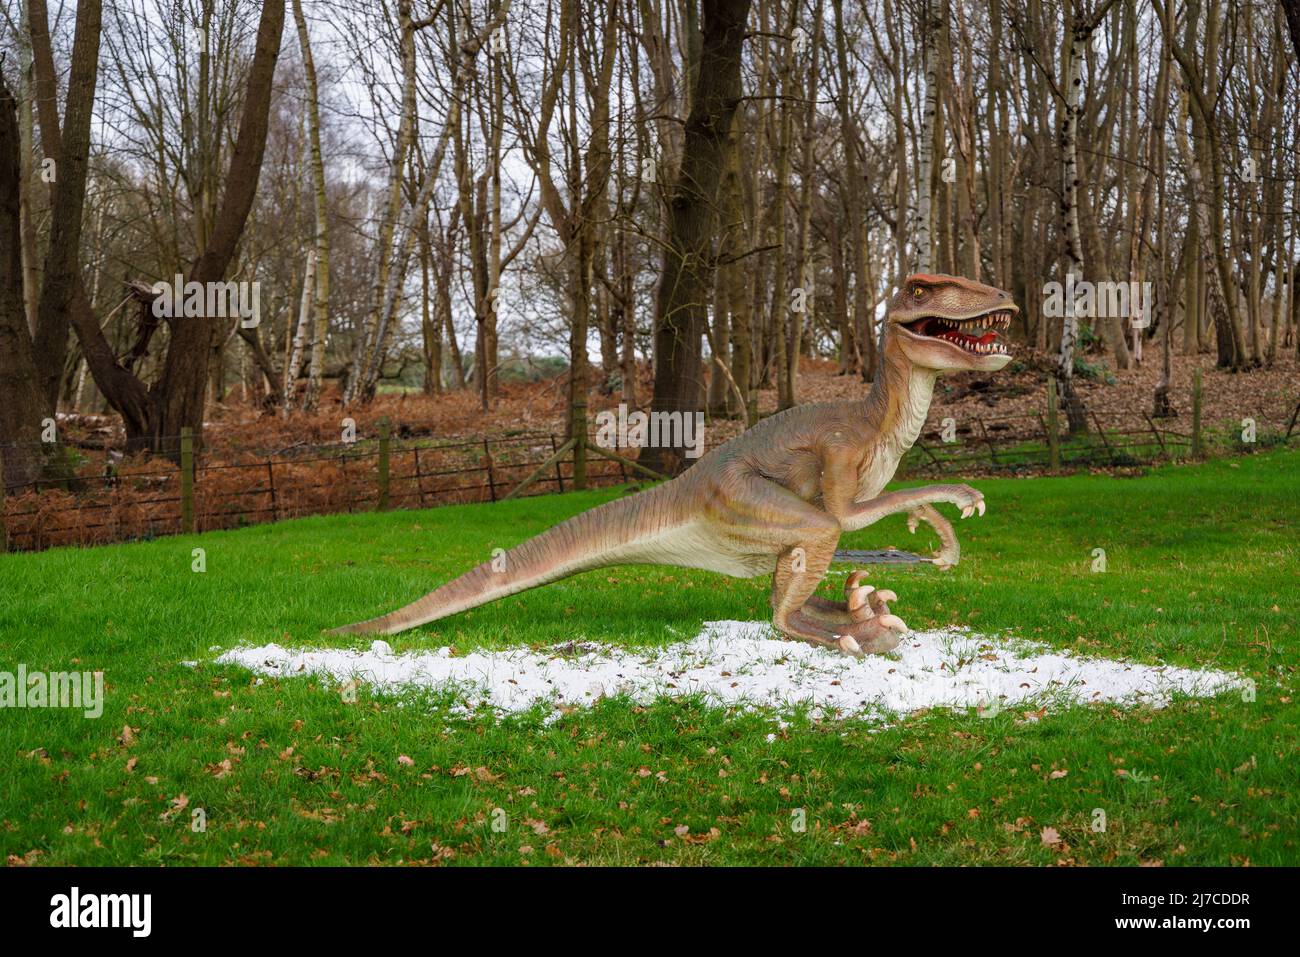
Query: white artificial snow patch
point(736, 663)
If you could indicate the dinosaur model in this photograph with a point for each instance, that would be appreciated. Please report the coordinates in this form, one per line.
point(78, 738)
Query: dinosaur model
point(776, 499)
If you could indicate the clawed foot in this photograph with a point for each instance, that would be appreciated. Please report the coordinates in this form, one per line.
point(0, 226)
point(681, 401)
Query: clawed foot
point(859, 626)
point(873, 628)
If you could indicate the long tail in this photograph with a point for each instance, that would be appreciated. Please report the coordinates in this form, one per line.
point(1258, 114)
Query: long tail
point(604, 535)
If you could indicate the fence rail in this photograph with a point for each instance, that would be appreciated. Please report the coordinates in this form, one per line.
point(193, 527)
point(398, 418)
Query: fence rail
point(121, 503)
point(129, 503)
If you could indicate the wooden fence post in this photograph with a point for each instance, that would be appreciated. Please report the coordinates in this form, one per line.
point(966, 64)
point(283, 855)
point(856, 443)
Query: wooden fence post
point(270, 481)
point(993, 455)
point(559, 476)
point(419, 478)
point(1197, 447)
point(492, 482)
point(1110, 453)
point(187, 479)
point(1156, 433)
point(536, 473)
point(384, 431)
point(343, 467)
point(630, 463)
point(1053, 435)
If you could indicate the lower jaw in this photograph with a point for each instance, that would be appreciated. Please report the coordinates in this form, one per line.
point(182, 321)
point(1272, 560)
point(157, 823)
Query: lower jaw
point(994, 353)
point(994, 349)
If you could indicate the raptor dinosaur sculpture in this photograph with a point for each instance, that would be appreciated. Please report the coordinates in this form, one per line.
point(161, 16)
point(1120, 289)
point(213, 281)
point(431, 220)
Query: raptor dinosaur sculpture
point(776, 499)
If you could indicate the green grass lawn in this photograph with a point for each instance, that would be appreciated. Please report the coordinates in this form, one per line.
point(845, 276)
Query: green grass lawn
point(1201, 570)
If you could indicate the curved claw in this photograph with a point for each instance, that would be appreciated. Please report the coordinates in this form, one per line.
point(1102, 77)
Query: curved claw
point(849, 645)
point(878, 635)
point(860, 603)
point(893, 623)
point(878, 600)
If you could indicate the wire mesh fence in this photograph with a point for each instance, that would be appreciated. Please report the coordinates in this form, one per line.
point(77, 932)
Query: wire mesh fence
point(130, 501)
point(1022, 444)
point(97, 502)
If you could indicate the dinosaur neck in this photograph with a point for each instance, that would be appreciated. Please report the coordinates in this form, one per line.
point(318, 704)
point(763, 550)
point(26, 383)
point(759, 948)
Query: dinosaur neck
point(899, 399)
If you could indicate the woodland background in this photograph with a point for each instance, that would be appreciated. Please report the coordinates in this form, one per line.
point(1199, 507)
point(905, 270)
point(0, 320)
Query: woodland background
point(677, 204)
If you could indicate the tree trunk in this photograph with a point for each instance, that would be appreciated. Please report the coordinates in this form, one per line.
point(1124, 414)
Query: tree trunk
point(781, 310)
point(23, 404)
point(924, 255)
point(859, 342)
point(430, 329)
point(178, 397)
point(320, 307)
point(300, 335)
point(1080, 34)
point(740, 320)
point(368, 357)
point(69, 194)
point(682, 300)
point(804, 271)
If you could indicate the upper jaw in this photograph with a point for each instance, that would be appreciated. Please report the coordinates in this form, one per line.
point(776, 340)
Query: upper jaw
point(977, 334)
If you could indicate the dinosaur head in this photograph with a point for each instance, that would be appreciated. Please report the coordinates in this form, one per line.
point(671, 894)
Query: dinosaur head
point(951, 324)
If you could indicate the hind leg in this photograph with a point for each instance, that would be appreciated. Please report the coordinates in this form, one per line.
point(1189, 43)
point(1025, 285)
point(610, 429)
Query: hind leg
point(805, 538)
point(865, 612)
point(799, 570)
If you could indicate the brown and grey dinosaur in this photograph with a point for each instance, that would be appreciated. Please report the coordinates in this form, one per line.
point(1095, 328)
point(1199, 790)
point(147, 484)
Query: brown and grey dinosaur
point(776, 499)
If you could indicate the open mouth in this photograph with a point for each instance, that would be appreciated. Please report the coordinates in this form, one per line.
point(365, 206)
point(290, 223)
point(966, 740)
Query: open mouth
point(980, 336)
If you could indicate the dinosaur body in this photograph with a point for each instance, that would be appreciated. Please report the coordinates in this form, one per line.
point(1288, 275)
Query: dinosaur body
point(775, 499)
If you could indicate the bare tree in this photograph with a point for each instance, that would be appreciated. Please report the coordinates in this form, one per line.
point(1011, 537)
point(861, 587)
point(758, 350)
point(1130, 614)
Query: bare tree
point(685, 274)
point(321, 250)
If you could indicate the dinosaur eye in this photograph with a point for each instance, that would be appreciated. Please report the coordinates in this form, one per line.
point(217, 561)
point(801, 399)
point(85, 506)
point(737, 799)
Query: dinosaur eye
point(917, 292)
